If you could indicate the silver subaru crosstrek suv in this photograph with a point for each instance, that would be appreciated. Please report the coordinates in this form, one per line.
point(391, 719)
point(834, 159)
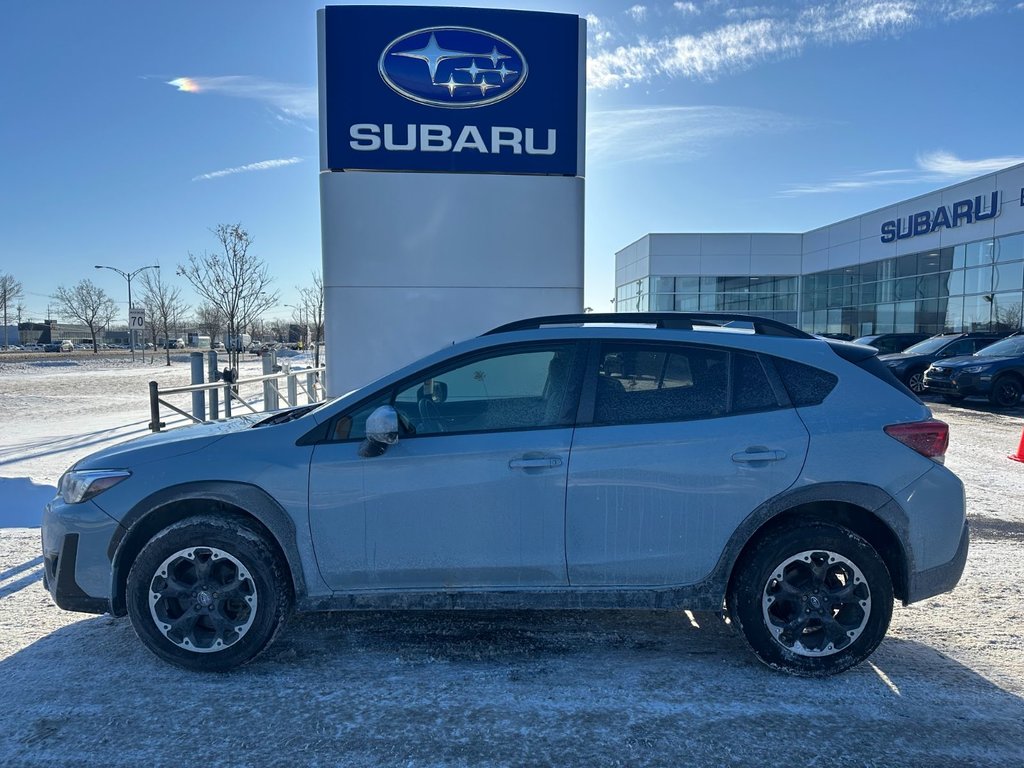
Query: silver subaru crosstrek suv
point(650, 461)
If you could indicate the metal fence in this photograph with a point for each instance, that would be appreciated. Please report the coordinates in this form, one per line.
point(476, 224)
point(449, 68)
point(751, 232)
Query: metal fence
point(308, 381)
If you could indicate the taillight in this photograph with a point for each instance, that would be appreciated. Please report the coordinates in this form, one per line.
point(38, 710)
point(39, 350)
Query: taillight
point(929, 438)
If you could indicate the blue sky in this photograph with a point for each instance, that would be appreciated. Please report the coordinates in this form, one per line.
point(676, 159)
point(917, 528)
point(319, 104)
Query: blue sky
point(704, 116)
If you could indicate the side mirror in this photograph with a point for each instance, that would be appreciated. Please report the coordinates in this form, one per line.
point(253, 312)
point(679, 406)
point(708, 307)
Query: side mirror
point(381, 431)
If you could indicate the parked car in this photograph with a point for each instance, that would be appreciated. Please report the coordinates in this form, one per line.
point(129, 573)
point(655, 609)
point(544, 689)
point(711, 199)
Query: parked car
point(909, 365)
point(889, 343)
point(995, 372)
point(837, 336)
point(579, 461)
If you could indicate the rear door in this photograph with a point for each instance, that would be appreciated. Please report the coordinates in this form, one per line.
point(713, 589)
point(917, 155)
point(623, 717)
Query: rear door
point(684, 442)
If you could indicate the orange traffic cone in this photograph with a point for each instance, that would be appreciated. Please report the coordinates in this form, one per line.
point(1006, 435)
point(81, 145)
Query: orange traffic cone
point(1019, 456)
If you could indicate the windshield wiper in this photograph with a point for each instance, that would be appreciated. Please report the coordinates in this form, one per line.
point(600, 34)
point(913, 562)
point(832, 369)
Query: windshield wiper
point(289, 415)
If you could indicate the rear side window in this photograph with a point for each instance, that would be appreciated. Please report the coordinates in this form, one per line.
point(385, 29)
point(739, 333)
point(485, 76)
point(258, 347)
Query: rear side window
point(638, 384)
point(805, 384)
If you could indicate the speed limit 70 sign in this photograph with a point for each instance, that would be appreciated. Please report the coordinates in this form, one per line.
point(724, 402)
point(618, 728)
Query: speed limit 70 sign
point(136, 319)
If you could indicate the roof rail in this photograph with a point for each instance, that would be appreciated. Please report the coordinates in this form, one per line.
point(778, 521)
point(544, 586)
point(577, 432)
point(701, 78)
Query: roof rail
point(680, 321)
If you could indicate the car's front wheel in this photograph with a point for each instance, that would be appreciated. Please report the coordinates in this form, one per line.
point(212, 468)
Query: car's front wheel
point(915, 382)
point(208, 593)
point(1006, 392)
point(811, 599)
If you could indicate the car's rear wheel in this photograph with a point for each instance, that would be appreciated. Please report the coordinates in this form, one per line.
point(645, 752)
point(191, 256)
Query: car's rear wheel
point(811, 599)
point(1006, 392)
point(208, 594)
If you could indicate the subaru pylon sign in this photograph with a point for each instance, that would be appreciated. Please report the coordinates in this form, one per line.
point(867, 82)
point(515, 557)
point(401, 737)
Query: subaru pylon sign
point(464, 90)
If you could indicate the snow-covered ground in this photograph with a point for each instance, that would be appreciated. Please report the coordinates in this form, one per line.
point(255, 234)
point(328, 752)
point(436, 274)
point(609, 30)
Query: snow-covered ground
point(471, 689)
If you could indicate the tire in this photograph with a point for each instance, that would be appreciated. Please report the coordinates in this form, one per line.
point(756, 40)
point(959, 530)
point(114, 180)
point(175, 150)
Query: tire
point(1006, 392)
point(208, 594)
point(915, 382)
point(811, 599)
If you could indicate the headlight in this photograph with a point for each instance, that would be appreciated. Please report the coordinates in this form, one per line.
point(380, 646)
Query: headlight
point(77, 486)
point(977, 368)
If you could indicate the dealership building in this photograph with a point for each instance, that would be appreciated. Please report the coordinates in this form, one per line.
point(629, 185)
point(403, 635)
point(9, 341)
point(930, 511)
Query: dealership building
point(951, 260)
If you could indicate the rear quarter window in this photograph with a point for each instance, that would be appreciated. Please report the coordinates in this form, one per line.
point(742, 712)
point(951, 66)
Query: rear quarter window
point(805, 384)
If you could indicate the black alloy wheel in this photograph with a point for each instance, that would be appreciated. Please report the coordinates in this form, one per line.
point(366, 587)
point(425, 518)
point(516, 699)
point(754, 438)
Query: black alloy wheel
point(811, 599)
point(208, 593)
point(1006, 391)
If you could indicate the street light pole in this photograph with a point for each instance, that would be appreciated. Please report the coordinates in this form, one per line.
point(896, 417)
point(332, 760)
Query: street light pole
point(305, 326)
point(128, 276)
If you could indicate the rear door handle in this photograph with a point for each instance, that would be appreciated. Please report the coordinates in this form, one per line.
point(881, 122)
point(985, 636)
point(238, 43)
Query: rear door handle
point(752, 455)
point(542, 462)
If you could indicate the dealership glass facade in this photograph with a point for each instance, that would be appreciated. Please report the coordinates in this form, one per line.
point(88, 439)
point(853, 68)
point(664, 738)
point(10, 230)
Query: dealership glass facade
point(972, 286)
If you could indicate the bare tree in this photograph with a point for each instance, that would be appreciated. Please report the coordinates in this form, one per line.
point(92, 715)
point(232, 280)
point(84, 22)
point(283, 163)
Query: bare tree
point(209, 321)
point(88, 304)
point(165, 304)
point(1008, 318)
point(312, 300)
point(233, 280)
point(10, 292)
point(281, 327)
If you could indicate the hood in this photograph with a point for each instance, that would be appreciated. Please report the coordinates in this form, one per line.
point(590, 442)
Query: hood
point(164, 445)
point(965, 361)
point(900, 356)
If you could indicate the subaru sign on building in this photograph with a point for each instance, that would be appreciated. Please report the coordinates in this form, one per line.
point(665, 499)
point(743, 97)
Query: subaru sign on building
point(496, 92)
point(451, 177)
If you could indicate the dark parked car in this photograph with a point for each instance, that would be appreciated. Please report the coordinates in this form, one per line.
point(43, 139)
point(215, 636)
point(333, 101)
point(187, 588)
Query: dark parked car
point(996, 372)
point(909, 365)
point(888, 343)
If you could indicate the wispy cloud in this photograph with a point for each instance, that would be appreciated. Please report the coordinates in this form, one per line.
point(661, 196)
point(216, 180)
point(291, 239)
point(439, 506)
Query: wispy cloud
point(262, 165)
point(672, 133)
point(638, 12)
point(948, 164)
point(296, 101)
point(932, 167)
point(687, 8)
point(748, 36)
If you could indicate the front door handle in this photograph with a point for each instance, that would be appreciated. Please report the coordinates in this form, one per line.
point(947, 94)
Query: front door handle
point(539, 462)
point(758, 454)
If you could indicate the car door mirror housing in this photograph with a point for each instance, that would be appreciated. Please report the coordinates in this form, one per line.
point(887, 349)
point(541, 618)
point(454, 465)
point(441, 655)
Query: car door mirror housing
point(382, 426)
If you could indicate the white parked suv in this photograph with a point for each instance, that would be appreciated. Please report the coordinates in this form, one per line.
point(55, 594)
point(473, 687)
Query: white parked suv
point(655, 461)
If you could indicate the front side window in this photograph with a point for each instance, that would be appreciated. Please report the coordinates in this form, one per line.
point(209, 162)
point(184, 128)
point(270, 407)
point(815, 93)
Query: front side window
point(517, 389)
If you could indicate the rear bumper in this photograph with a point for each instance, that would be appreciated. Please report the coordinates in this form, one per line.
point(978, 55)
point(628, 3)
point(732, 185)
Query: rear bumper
point(941, 578)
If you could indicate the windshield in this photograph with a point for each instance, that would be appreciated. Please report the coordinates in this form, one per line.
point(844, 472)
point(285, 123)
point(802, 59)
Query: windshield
point(1006, 348)
point(927, 346)
point(865, 340)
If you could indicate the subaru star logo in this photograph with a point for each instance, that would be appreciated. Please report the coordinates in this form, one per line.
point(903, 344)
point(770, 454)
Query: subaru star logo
point(455, 67)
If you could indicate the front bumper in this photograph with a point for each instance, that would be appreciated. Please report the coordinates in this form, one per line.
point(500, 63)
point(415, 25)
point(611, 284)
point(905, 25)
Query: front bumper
point(962, 385)
point(76, 567)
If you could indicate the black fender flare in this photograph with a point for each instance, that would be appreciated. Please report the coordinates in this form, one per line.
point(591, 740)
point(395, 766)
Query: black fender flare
point(872, 499)
point(168, 505)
